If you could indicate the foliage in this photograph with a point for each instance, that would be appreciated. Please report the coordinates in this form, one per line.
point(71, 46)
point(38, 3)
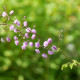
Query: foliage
point(49, 16)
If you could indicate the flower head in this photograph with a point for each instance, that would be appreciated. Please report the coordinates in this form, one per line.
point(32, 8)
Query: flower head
point(50, 52)
point(4, 14)
point(49, 40)
point(33, 31)
point(28, 29)
point(37, 50)
point(33, 36)
point(45, 44)
point(54, 47)
point(16, 42)
point(11, 27)
point(15, 30)
point(25, 44)
point(2, 40)
point(15, 38)
point(31, 44)
point(8, 39)
point(37, 44)
point(26, 35)
point(44, 55)
point(23, 47)
point(11, 12)
point(25, 23)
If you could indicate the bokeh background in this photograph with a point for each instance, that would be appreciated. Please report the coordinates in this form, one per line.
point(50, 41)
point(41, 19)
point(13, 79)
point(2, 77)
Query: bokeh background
point(49, 16)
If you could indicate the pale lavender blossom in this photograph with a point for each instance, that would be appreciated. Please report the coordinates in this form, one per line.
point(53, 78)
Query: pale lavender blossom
point(23, 47)
point(33, 31)
point(28, 29)
point(44, 55)
point(49, 40)
point(2, 40)
point(15, 38)
point(26, 35)
point(25, 23)
point(11, 27)
point(54, 47)
point(33, 36)
point(50, 52)
point(11, 12)
point(16, 21)
point(25, 44)
point(8, 39)
point(31, 44)
point(17, 42)
point(37, 50)
point(15, 30)
point(37, 44)
point(45, 44)
point(4, 14)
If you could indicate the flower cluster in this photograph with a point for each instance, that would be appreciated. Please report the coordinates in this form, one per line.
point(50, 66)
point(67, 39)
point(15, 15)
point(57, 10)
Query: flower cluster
point(29, 35)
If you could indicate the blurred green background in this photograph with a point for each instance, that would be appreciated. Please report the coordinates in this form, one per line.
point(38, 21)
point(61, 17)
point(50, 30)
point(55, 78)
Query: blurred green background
point(49, 16)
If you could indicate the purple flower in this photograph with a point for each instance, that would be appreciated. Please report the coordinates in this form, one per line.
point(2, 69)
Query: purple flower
point(4, 14)
point(25, 23)
point(44, 55)
point(15, 30)
point(17, 42)
point(31, 44)
point(2, 40)
point(26, 35)
point(37, 44)
point(54, 47)
point(28, 30)
point(23, 47)
point(45, 44)
point(49, 40)
point(25, 44)
point(33, 36)
point(16, 21)
point(37, 50)
point(8, 39)
point(11, 27)
point(33, 31)
point(15, 38)
point(11, 12)
point(50, 52)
